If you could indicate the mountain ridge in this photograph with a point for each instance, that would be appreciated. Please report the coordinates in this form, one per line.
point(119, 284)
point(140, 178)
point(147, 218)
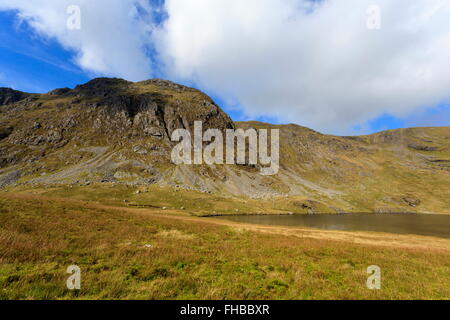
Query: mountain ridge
point(113, 131)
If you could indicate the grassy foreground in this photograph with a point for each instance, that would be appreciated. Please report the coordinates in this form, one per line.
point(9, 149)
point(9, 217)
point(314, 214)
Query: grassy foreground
point(153, 254)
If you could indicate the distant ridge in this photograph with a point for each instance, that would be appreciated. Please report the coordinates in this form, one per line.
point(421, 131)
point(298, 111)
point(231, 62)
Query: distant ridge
point(116, 131)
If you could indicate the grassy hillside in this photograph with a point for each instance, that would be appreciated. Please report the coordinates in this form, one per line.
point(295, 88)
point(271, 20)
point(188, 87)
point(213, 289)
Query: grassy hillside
point(129, 253)
point(111, 134)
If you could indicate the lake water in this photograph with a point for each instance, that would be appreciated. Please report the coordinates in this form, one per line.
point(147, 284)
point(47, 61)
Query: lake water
point(420, 224)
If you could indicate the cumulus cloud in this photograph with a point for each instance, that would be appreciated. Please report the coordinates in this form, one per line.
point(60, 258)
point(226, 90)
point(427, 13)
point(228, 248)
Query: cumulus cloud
point(312, 62)
point(112, 37)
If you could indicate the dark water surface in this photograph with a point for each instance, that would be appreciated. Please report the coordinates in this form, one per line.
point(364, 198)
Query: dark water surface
point(420, 224)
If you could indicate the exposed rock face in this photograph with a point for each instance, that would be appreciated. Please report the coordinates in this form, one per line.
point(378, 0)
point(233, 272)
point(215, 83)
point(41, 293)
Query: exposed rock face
point(116, 131)
point(130, 122)
point(9, 96)
point(149, 108)
point(422, 148)
point(411, 201)
point(59, 92)
point(9, 178)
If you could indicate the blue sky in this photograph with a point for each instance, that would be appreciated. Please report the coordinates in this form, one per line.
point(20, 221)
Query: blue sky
point(32, 61)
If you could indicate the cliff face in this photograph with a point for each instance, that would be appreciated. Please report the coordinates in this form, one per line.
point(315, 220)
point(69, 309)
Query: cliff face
point(115, 131)
point(8, 96)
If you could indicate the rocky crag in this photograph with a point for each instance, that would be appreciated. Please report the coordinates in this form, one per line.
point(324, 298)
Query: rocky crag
point(111, 131)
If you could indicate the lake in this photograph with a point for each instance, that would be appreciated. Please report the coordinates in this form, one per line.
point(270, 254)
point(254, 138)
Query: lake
point(419, 224)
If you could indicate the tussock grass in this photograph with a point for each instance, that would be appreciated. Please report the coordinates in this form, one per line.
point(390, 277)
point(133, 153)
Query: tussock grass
point(134, 255)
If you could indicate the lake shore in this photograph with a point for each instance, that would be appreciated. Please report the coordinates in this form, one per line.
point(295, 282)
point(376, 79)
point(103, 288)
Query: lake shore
point(132, 253)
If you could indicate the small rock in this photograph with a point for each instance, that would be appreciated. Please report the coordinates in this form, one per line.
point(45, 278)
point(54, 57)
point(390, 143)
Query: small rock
point(153, 131)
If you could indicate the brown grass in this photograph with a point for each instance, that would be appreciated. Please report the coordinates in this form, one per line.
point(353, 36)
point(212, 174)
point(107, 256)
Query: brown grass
point(129, 253)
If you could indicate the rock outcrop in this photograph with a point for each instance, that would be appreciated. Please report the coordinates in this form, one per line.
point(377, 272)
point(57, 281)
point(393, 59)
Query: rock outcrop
point(116, 131)
point(9, 96)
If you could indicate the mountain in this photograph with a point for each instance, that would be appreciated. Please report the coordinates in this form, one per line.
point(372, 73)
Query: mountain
point(9, 96)
point(117, 133)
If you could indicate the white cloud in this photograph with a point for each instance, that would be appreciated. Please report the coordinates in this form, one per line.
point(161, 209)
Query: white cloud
point(310, 62)
point(112, 35)
point(320, 67)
